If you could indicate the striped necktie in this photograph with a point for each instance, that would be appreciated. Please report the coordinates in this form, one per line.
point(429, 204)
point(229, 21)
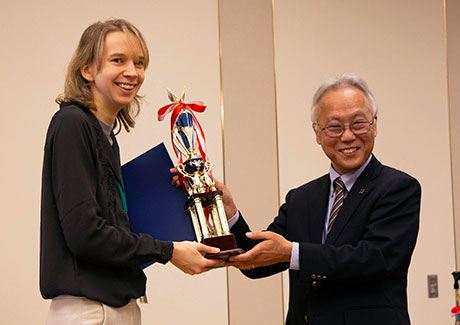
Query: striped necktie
point(340, 190)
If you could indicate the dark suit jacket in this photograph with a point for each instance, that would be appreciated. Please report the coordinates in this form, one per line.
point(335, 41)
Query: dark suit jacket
point(359, 276)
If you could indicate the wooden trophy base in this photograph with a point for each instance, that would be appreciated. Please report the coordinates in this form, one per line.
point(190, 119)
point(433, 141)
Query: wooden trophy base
point(227, 245)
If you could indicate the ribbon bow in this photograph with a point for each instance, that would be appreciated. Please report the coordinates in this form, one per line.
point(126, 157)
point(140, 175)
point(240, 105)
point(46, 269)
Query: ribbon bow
point(197, 106)
point(176, 107)
point(177, 104)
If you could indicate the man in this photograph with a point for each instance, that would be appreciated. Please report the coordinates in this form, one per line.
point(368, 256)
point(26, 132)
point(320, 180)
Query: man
point(347, 246)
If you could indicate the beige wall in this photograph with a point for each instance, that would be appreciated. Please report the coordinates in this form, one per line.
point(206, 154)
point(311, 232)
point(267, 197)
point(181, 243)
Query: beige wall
point(399, 49)
point(38, 39)
point(267, 145)
point(453, 72)
point(250, 142)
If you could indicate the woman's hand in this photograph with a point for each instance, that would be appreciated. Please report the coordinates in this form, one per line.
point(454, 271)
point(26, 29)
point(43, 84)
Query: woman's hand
point(188, 257)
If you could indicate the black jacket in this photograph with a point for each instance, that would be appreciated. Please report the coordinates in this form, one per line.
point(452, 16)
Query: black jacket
point(359, 276)
point(86, 245)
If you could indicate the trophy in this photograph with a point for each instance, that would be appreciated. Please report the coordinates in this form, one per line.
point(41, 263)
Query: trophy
point(204, 203)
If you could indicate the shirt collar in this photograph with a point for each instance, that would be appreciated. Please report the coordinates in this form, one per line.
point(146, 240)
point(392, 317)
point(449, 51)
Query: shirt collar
point(348, 179)
point(107, 129)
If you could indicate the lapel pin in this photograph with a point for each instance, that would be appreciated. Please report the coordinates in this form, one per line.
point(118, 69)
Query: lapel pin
point(361, 191)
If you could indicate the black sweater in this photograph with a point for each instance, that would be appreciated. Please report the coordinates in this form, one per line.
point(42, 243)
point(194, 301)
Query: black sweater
point(86, 246)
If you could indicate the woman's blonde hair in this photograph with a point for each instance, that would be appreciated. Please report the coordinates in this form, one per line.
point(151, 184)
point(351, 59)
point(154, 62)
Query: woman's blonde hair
point(89, 51)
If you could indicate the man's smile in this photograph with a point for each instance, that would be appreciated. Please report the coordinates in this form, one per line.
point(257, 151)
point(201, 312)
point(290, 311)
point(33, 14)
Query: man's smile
point(349, 150)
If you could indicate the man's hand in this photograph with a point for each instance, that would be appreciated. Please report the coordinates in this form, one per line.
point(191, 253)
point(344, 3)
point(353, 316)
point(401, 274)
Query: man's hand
point(229, 205)
point(175, 180)
point(273, 249)
point(188, 258)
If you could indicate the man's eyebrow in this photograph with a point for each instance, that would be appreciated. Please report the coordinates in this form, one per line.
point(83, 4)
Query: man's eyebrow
point(336, 118)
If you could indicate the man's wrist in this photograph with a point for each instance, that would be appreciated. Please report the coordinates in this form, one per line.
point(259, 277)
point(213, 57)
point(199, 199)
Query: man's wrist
point(231, 212)
point(231, 222)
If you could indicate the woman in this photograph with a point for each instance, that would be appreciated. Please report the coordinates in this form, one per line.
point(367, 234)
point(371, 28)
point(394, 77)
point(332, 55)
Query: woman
point(90, 260)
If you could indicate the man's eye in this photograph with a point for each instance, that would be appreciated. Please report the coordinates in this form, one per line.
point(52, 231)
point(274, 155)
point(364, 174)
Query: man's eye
point(359, 124)
point(334, 127)
point(116, 60)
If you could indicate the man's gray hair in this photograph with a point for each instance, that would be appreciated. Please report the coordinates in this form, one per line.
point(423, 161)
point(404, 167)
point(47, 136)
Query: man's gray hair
point(345, 80)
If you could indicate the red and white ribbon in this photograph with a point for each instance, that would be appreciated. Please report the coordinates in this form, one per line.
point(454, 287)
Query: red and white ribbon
point(176, 108)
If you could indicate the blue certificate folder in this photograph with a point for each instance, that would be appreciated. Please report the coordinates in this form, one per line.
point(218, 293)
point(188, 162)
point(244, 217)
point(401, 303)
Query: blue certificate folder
point(155, 207)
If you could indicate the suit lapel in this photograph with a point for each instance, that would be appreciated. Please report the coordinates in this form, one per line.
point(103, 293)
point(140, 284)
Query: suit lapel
point(362, 187)
point(317, 210)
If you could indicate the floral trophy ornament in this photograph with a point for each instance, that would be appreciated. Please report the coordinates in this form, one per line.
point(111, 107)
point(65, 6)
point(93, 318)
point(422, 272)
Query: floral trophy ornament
point(204, 202)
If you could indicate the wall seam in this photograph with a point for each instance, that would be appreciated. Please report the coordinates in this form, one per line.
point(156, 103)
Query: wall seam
point(277, 143)
point(449, 108)
point(222, 121)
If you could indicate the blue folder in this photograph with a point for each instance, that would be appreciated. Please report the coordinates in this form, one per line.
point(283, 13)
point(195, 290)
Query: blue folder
point(155, 207)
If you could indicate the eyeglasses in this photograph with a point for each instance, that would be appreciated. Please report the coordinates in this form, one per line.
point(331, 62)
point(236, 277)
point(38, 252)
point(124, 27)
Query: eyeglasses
point(336, 130)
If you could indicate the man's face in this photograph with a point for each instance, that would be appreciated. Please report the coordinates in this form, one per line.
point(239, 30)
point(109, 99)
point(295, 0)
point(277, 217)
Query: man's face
point(345, 106)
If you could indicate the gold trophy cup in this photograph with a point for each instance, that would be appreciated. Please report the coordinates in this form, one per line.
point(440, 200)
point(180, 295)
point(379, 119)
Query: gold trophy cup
point(204, 204)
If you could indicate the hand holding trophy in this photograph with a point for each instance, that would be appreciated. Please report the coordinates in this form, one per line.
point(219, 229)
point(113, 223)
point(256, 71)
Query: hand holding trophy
point(204, 203)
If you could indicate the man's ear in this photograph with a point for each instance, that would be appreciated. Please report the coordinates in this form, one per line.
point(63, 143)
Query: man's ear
point(375, 127)
point(87, 73)
point(316, 130)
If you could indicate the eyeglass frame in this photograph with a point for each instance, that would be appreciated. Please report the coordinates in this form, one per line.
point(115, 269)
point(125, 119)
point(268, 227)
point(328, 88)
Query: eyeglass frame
point(344, 126)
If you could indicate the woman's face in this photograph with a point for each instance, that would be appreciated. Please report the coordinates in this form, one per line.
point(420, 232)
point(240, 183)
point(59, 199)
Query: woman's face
point(118, 78)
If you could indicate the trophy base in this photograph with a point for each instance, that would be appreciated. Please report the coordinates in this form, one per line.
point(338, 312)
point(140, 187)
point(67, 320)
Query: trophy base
point(227, 245)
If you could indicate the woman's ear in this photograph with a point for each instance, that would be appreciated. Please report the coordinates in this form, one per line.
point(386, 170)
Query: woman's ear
point(87, 73)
